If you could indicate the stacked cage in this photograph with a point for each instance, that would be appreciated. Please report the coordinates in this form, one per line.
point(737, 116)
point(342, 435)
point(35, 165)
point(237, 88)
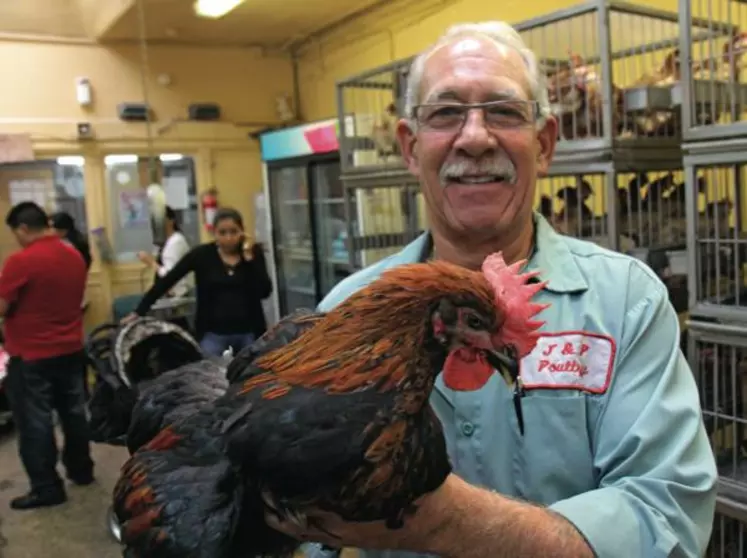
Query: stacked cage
point(616, 177)
point(715, 159)
point(651, 153)
point(383, 204)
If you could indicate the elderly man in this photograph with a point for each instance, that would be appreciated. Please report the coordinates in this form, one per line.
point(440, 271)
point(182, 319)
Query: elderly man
point(612, 459)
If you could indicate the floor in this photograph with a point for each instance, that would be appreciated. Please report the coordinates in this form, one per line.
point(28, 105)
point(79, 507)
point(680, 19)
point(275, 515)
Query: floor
point(76, 528)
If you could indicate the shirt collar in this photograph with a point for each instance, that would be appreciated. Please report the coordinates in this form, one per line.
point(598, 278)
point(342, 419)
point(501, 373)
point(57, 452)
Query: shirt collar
point(552, 258)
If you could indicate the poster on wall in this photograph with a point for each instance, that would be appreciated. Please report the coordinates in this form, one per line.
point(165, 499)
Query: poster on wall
point(133, 209)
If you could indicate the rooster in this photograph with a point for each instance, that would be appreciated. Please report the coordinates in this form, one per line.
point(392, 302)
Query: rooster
point(327, 411)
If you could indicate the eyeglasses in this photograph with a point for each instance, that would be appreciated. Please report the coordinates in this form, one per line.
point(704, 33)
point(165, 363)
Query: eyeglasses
point(497, 114)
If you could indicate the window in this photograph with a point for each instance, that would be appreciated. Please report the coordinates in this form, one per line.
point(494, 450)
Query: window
point(127, 177)
point(56, 185)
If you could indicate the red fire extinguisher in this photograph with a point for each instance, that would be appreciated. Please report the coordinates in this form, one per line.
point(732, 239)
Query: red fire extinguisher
point(209, 207)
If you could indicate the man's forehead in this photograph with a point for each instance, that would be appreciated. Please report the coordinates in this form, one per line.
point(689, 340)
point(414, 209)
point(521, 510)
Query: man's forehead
point(471, 56)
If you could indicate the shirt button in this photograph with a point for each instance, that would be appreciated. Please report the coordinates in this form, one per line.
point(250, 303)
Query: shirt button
point(468, 429)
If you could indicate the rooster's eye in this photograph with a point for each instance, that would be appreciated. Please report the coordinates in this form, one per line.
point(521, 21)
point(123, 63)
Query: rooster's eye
point(473, 322)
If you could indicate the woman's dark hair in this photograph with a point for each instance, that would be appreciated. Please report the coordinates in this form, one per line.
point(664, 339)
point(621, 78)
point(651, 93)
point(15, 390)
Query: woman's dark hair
point(171, 216)
point(225, 213)
point(63, 221)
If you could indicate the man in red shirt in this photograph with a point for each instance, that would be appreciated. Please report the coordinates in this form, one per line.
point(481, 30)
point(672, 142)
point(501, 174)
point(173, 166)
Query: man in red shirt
point(41, 290)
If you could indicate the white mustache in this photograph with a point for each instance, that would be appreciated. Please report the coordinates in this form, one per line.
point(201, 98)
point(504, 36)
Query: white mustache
point(500, 165)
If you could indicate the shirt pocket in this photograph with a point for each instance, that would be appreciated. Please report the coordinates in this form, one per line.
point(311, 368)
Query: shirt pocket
point(554, 460)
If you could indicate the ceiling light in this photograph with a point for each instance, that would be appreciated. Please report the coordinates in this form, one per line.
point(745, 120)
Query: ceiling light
point(215, 8)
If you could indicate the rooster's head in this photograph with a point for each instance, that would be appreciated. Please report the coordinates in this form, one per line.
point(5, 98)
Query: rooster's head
point(478, 338)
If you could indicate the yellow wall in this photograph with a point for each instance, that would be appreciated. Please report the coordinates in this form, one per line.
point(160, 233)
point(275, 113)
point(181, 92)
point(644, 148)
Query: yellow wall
point(38, 97)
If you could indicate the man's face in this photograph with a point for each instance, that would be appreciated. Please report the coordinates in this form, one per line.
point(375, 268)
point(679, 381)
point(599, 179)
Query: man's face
point(452, 164)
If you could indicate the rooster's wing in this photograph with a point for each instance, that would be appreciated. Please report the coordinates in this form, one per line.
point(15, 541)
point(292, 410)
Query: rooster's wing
point(349, 453)
point(172, 396)
point(282, 333)
point(178, 495)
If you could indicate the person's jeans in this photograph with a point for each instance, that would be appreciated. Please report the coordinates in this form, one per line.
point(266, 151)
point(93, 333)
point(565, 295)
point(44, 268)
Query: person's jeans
point(216, 344)
point(36, 388)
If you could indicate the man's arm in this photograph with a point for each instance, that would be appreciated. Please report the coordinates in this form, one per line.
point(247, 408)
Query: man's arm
point(12, 280)
point(657, 487)
point(476, 523)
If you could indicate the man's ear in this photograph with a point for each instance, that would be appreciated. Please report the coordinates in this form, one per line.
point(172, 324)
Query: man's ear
point(408, 146)
point(548, 139)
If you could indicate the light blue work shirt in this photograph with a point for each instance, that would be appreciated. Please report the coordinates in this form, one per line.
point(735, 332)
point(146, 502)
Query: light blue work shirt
point(630, 467)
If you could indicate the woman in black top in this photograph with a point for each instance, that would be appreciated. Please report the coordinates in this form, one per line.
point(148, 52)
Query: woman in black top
point(231, 280)
point(64, 225)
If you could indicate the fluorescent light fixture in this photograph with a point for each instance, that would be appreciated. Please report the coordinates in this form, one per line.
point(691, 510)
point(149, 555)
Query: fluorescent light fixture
point(215, 8)
point(71, 161)
point(120, 159)
point(166, 157)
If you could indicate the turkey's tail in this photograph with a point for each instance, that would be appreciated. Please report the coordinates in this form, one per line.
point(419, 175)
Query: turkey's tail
point(180, 496)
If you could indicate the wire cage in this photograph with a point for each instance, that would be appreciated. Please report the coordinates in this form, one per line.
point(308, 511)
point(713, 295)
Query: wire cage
point(718, 355)
point(717, 241)
point(729, 537)
point(369, 105)
point(714, 98)
point(384, 212)
point(611, 73)
point(632, 205)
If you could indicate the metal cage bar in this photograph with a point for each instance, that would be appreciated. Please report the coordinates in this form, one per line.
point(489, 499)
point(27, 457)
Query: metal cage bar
point(717, 239)
point(713, 93)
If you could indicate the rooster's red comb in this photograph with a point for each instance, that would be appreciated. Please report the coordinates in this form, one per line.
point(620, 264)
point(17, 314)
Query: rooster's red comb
point(513, 296)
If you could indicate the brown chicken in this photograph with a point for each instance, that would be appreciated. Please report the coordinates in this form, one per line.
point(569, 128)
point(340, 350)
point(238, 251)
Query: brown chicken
point(331, 413)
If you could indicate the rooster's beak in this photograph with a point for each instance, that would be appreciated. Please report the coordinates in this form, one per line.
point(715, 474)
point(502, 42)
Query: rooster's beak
point(508, 366)
point(505, 364)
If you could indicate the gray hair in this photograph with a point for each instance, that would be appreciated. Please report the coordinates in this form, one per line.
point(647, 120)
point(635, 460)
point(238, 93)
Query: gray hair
point(500, 33)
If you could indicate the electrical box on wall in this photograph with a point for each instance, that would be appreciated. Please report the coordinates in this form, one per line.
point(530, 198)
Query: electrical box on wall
point(133, 112)
point(85, 130)
point(204, 111)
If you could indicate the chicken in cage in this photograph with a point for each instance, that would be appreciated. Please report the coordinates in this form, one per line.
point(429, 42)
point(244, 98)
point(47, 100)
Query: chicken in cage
point(576, 98)
point(370, 105)
point(652, 209)
point(574, 204)
point(715, 90)
point(719, 247)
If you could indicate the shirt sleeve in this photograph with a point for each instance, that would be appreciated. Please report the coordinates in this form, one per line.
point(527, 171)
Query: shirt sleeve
point(172, 253)
point(185, 265)
point(12, 279)
point(657, 489)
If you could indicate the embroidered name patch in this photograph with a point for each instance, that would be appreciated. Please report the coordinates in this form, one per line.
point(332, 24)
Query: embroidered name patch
point(570, 360)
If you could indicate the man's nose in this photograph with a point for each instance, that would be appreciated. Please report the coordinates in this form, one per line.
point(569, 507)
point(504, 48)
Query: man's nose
point(475, 138)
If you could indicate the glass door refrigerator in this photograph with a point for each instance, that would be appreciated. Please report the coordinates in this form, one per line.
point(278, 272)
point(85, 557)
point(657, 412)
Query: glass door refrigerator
point(306, 218)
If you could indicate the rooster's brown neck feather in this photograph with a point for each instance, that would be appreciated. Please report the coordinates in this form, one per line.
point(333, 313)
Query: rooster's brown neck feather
point(388, 325)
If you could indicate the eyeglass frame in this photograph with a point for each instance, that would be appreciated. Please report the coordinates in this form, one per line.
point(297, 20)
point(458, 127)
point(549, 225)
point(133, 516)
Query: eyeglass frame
point(467, 107)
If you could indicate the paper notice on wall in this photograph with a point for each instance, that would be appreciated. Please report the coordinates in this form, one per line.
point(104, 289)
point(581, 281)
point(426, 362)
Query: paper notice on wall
point(16, 148)
point(177, 192)
point(28, 190)
point(133, 209)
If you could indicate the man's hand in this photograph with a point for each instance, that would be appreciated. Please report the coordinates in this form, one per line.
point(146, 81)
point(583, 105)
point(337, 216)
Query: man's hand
point(456, 521)
point(329, 529)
